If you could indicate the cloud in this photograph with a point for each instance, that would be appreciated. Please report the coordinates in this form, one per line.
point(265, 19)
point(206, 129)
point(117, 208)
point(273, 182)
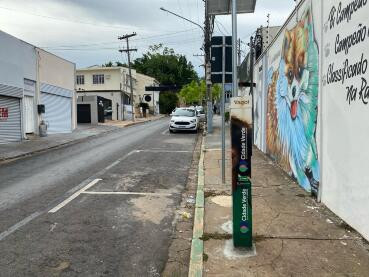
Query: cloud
point(86, 31)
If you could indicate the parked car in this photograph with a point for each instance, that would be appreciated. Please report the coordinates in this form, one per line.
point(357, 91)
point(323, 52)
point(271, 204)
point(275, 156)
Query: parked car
point(183, 119)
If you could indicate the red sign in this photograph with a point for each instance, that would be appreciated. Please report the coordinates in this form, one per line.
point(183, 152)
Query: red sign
point(4, 114)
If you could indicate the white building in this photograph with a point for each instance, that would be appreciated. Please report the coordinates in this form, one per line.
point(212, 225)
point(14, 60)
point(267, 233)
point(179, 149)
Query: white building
point(111, 83)
point(147, 96)
point(30, 77)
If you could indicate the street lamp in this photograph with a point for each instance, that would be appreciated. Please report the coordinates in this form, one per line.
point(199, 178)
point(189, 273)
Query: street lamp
point(198, 25)
point(206, 49)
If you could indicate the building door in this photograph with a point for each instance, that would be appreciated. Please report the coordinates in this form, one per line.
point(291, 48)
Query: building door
point(58, 113)
point(84, 113)
point(10, 119)
point(29, 115)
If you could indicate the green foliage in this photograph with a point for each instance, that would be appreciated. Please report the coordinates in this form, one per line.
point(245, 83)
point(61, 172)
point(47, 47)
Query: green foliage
point(165, 66)
point(195, 92)
point(216, 91)
point(111, 64)
point(167, 102)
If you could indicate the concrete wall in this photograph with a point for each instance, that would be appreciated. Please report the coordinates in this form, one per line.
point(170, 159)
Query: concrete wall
point(18, 61)
point(345, 128)
point(114, 96)
point(318, 133)
point(142, 82)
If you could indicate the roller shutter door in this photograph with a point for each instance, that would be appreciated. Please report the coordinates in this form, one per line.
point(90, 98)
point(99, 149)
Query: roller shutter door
point(10, 120)
point(58, 113)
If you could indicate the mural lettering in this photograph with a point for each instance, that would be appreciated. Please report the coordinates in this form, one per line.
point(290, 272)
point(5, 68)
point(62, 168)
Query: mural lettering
point(292, 104)
point(348, 70)
point(341, 14)
point(352, 93)
point(353, 39)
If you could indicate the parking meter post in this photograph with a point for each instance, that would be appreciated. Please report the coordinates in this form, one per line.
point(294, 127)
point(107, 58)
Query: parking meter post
point(241, 139)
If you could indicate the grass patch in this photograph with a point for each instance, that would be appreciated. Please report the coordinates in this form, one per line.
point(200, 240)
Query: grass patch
point(216, 236)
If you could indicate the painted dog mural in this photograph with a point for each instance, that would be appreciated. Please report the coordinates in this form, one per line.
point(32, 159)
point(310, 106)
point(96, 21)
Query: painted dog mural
point(292, 107)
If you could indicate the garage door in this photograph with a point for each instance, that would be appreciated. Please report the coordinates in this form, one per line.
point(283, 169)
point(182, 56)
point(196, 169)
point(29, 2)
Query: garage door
point(83, 113)
point(10, 120)
point(58, 113)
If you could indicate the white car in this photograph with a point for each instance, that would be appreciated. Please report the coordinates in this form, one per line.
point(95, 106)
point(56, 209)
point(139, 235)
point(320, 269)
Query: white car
point(183, 119)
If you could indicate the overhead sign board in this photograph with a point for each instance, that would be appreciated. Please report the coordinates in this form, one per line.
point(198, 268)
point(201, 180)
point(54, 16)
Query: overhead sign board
point(217, 7)
point(217, 45)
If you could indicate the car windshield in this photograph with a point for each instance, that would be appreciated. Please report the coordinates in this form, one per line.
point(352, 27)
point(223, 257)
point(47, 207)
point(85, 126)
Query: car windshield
point(184, 112)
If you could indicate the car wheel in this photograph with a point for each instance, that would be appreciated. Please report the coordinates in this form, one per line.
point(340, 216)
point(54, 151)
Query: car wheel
point(171, 131)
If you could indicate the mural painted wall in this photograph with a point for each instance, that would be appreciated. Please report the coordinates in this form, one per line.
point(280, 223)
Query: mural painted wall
point(292, 99)
point(315, 92)
point(345, 70)
point(258, 99)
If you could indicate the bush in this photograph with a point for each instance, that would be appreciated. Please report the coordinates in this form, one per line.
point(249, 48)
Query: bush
point(167, 102)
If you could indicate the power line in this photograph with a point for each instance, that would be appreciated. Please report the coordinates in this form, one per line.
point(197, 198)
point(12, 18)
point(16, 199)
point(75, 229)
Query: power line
point(68, 20)
point(115, 48)
point(114, 42)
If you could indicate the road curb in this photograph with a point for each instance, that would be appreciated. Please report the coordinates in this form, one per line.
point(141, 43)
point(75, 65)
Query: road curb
point(72, 142)
point(197, 245)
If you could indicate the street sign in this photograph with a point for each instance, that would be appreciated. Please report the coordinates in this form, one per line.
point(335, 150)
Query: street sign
point(4, 113)
point(217, 7)
point(217, 45)
point(241, 139)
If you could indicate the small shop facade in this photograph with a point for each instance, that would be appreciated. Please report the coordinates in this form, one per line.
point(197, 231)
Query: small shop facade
point(28, 76)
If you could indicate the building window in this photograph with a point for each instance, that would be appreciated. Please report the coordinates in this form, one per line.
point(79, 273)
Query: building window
point(80, 79)
point(98, 79)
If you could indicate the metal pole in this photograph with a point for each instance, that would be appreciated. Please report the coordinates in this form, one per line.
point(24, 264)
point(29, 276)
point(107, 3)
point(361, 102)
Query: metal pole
point(130, 81)
point(252, 49)
point(223, 110)
point(234, 49)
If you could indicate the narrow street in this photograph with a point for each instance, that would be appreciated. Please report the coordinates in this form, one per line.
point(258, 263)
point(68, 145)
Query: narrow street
point(102, 207)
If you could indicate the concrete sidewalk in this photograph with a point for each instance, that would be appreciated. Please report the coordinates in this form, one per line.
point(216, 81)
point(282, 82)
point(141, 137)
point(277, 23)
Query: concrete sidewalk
point(39, 144)
point(293, 234)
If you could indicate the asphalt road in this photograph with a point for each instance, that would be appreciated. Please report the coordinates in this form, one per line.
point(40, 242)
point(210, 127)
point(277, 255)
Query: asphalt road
point(103, 207)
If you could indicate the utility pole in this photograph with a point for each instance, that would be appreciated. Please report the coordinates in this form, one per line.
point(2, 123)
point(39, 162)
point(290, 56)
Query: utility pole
point(207, 42)
point(128, 51)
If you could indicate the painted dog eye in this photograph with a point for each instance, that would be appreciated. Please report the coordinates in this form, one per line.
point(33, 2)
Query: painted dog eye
point(290, 74)
point(301, 71)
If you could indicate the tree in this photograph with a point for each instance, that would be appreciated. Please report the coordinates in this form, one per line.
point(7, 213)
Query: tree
point(163, 64)
point(194, 93)
point(168, 68)
point(167, 102)
point(116, 64)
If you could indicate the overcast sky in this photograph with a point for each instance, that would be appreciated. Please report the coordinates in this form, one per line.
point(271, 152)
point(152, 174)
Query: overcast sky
point(86, 31)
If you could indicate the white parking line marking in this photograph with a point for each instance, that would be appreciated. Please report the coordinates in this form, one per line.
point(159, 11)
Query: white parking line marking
point(163, 151)
point(73, 196)
point(126, 193)
point(165, 132)
point(21, 223)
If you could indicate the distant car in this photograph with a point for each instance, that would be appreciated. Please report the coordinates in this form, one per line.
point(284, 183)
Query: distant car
point(183, 119)
point(201, 113)
point(108, 111)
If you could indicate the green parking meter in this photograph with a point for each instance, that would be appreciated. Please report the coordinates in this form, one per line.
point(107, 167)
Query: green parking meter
point(241, 138)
